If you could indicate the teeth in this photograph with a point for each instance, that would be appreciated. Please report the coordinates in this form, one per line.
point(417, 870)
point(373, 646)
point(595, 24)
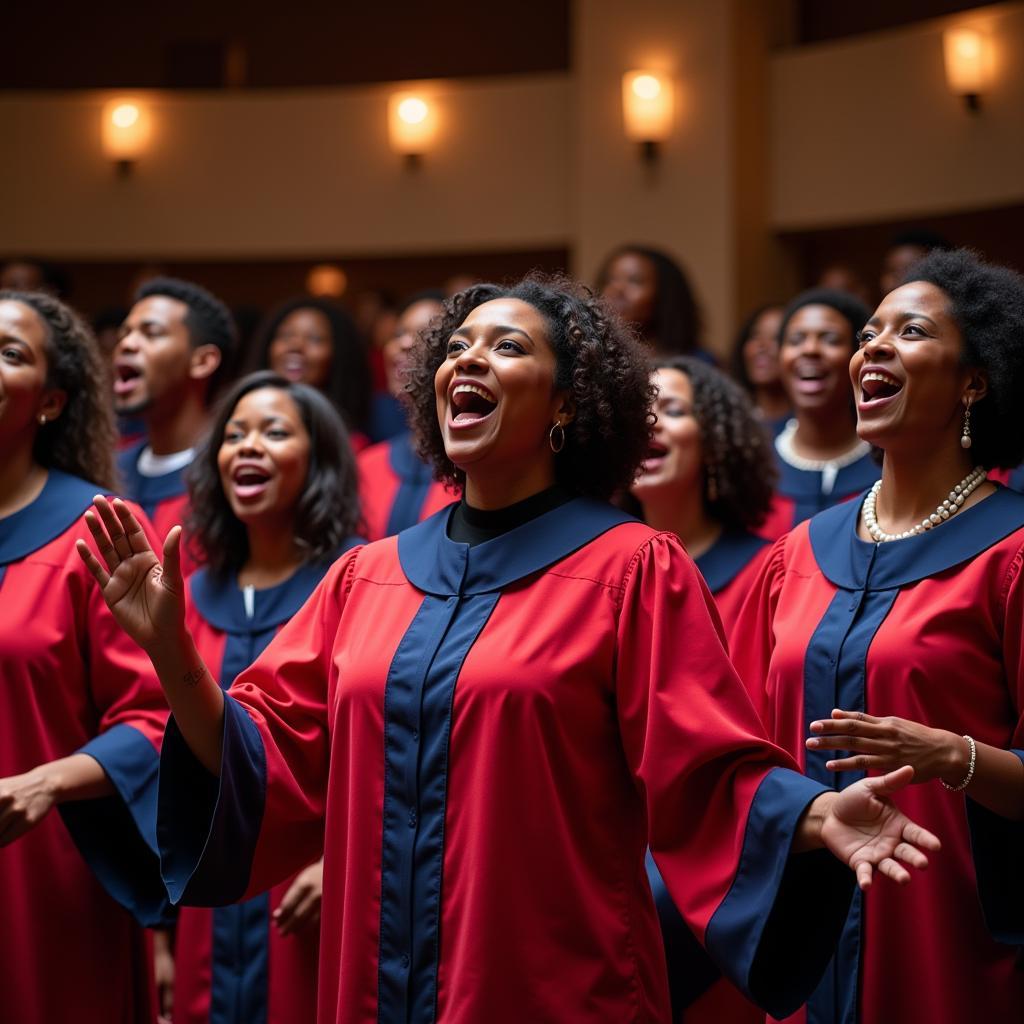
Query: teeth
point(882, 378)
point(474, 390)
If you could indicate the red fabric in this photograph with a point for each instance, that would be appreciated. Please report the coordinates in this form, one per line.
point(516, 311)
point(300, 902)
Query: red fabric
point(68, 672)
point(291, 983)
point(378, 486)
point(948, 654)
point(730, 598)
point(575, 723)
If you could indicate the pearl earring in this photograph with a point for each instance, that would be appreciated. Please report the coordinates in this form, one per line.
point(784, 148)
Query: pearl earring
point(42, 419)
point(965, 437)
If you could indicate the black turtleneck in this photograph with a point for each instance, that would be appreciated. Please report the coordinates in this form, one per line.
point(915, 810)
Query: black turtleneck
point(472, 526)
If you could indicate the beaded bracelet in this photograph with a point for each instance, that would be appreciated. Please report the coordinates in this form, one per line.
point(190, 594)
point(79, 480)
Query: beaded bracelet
point(970, 770)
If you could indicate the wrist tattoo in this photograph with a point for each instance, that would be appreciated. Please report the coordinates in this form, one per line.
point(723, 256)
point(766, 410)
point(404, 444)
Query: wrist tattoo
point(193, 677)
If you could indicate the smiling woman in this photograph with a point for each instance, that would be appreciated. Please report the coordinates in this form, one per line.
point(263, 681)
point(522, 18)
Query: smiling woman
point(492, 713)
point(894, 627)
point(820, 458)
point(80, 710)
point(273, 494)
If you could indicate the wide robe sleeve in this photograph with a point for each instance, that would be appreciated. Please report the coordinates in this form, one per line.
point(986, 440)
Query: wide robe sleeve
point(116, 835)
point(753, 630)
point(226, 838)
point(997, 842)
point(722, 802)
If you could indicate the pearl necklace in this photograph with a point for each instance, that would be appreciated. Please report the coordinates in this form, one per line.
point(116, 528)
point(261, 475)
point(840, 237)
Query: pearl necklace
point(953, 503)
point(785, 447)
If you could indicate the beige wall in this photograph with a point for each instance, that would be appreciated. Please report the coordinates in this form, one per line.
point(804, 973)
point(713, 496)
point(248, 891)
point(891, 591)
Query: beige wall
point(866, 129)
point(684, 206)
point(278, 173)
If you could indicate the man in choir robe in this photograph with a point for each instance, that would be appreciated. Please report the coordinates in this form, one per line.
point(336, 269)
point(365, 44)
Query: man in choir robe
point(168, 362)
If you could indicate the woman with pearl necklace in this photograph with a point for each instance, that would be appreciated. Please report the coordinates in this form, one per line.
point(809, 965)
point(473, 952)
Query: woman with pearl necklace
point(890, 630)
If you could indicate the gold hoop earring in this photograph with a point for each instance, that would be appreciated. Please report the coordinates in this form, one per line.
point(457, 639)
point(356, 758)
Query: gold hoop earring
point(559, 444)
point(965, 437)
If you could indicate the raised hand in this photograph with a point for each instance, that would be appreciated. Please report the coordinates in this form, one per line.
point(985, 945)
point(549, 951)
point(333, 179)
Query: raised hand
point(883, 744)
point(145, 597)
point(867, 831)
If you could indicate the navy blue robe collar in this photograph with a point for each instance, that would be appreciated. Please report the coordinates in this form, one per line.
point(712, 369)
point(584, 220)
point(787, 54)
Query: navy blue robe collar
point(220, 601)
point(847, 561)
point(804, 483)
point(61, 501)
point(148, 491)
point(436, 565)
point(728, 557)
point(407, 465)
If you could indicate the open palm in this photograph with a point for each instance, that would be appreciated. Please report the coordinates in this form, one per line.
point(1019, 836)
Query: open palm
point(867, 831)
point(145, 597)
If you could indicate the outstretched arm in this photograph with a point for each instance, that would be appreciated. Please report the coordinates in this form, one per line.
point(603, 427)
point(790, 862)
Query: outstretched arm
point(864, 829)
point(879, 744)
point(148, 601)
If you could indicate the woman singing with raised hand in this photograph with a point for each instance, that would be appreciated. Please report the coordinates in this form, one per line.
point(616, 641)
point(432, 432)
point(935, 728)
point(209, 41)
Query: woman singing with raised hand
point(494, 715)
point(905, 609)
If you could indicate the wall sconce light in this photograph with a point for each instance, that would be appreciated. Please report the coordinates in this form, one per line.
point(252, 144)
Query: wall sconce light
point(126, 130)
point(327, 280)
point(967, 52)
point(412, 125)
point(647, 109)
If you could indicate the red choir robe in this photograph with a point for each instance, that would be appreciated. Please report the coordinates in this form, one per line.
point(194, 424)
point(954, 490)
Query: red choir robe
point(799, 494)
point(397, 488)
point(495, 734)
point(731, 567)
point(929, 628)
point(163, 498)
point(231, 965)
point(71, 681)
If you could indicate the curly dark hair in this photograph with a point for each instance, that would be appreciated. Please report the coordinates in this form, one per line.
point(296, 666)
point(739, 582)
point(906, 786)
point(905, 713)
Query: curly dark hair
point(328, 508)
point(208, 320)
point(349, 386)
point(81, 439)
point(737, 363)
point(736, 450)
point(598, 360)
point(676, 320)
point(987, 303)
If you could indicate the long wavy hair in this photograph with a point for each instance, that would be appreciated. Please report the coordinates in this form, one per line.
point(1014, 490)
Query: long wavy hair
point(737, 454)
point(81, 439)
point(328, 508)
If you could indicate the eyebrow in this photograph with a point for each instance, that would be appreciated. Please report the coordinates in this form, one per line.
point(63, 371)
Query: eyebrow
point(496, 330)
point(903, 317)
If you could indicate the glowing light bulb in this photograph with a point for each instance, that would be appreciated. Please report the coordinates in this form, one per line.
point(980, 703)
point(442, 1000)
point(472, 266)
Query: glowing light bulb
point(413, 110)
point(125, 115)
point(647, 87)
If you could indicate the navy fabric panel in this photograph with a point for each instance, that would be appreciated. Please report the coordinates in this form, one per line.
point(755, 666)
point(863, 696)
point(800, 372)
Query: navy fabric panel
point(116, 835)
point(803, 486)
point(437, 565)
point(414, 477)
point(207, 826)
point(148, 491)
point(998, 847)
point(61, 501)
point(847, 561)
point(417, 707)
point(727, 558)
point(240, 966)
point(765, 933)
point(835, 677)
point(691, 971)
point(1016, 481)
